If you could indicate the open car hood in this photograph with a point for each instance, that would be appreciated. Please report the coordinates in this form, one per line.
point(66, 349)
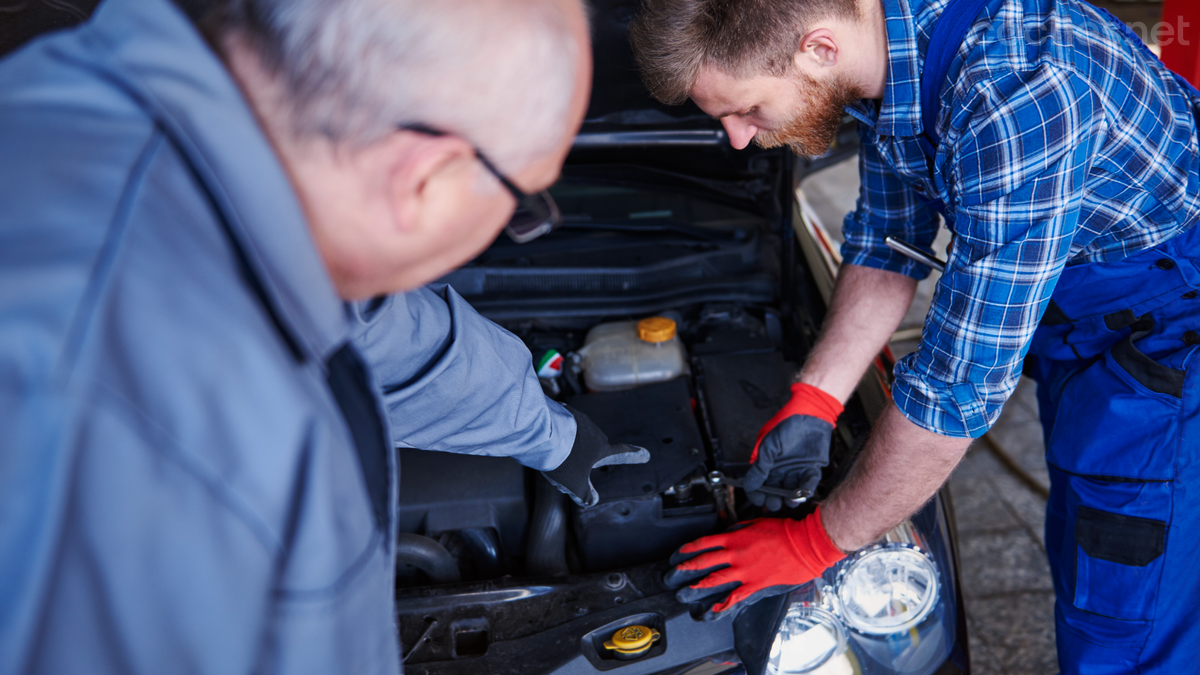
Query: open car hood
point(625, 125)
point(623, 120)
point(618, 96)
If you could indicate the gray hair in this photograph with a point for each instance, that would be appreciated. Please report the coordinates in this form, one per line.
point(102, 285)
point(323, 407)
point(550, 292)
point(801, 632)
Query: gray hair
point(500, 73)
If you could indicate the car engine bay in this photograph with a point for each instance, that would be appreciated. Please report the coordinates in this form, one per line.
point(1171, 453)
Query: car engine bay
point(489, 524)
point(675, 319)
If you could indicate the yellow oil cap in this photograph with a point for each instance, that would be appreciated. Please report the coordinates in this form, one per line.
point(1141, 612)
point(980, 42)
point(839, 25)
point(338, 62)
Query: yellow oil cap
point(656, 329)
point(633, 640)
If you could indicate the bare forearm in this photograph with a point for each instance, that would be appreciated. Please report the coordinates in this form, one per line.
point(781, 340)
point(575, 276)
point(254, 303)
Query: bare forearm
point(866, 307)
point(901, 467)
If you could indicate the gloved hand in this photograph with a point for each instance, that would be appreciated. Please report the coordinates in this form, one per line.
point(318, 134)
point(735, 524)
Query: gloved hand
point(591, 449)
point(760, 558)
point(793, 446)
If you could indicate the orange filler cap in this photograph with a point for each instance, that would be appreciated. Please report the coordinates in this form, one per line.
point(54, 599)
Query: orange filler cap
point(656, 329)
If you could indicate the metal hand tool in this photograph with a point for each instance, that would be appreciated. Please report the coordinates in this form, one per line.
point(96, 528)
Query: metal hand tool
point(794, 497)
point(901, 246)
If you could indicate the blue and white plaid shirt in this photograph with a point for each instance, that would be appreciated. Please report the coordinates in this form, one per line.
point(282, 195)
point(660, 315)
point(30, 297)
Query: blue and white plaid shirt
point(1063, 143)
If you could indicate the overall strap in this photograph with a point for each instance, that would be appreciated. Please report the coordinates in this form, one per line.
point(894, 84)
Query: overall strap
point(948, 34)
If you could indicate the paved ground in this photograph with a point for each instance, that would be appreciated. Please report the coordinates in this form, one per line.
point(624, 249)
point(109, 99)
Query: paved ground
point(1006, 582)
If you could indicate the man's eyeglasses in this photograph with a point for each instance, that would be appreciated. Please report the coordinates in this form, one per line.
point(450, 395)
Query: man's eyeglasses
point(536, 214)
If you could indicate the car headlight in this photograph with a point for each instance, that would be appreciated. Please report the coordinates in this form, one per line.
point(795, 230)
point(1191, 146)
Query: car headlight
point(887, 609)
point(887, 589)
point(807, 639)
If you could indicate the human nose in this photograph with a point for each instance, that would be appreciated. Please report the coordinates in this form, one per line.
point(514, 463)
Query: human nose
point(740, 131)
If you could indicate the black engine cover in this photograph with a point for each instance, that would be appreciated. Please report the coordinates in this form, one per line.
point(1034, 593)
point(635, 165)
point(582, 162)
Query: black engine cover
point(443, 492)
point(743, 392)
point(630, 525)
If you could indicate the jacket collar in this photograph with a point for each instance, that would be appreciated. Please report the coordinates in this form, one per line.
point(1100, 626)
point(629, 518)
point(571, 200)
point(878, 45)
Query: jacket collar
point(155, 52)
point(908, 24)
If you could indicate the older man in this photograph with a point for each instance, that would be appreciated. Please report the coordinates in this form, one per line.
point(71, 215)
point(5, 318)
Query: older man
point(1064, 158)
point(194, 472)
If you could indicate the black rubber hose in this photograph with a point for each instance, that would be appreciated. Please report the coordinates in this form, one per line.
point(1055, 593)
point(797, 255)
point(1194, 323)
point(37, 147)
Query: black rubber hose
point(485, 550)
point(428, 556)
point(546, 550)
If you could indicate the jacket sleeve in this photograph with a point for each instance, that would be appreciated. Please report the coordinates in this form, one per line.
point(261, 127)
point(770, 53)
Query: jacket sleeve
point(453, 381)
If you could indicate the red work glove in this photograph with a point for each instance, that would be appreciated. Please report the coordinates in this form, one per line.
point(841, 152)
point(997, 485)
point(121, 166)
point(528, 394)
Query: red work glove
point(764, 557)
point(793, 446)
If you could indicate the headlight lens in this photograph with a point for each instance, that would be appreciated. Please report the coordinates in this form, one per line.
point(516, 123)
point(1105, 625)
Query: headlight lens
point(807, 638)
point(887, 589)
point(886, 610)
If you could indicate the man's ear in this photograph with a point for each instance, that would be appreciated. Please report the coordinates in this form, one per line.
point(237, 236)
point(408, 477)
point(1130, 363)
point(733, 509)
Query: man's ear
point(423, 173)
point(819, 48)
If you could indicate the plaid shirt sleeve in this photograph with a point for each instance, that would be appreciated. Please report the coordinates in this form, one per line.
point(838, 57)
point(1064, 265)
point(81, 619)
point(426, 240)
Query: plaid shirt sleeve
point(886, 206)
point(1015, 161)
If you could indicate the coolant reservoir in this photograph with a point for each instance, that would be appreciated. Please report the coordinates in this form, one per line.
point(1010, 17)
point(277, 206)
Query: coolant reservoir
point(625, 354)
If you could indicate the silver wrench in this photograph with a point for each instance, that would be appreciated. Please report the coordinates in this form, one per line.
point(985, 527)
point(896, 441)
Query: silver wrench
point(793, 497)
point(901, 246)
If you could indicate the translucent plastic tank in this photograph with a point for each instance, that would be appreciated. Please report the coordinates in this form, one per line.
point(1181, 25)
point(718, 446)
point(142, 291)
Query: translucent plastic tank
point(626, 354)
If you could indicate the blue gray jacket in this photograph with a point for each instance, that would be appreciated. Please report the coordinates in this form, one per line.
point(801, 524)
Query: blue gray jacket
point(179, 491)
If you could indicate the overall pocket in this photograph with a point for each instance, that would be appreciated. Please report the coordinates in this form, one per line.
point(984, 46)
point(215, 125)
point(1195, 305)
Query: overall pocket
point(1116, 437)
point(1118, 562)
point(1118, 419)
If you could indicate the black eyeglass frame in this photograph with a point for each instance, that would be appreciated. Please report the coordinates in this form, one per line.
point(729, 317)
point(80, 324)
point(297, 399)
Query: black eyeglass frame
point(539, 208)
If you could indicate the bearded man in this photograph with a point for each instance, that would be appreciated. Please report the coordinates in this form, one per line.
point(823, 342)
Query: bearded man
point(1063, 157)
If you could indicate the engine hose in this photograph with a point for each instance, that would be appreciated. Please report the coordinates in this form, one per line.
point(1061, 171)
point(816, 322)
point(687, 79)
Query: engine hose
point(546, 551)
point(485, 550)
point(428, 556)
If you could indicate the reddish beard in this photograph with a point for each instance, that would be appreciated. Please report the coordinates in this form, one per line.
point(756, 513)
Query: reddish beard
point(812, 130)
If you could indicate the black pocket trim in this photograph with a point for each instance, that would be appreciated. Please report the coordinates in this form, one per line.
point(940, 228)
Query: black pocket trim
point(1054, 315)
point(1118, 320)
point(1151, 374)
point(1125, 540)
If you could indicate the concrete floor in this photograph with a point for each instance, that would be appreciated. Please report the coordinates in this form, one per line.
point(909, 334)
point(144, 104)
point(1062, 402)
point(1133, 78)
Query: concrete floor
point(1005, 578)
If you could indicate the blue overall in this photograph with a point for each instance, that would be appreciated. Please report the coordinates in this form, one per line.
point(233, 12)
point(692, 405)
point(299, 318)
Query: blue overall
point(1118, 392)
